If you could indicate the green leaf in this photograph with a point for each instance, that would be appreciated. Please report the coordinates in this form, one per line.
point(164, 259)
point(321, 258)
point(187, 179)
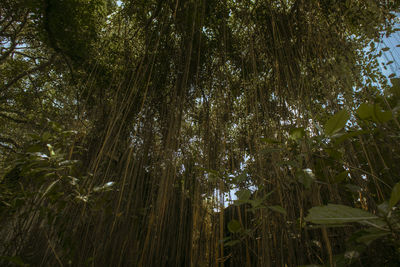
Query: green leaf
point(51, 150)
point(48, 189)
point(105, 187)
point(334, 214)
point(34, 148)
point(234, 226)
point(385, 49)
point(240, 178)
point(383, 208)
point(368, 235)
point(334, 153)
point(374, 112)
point(341, 177)
point(243, 194)
point(15, 259)
point(256, 203)
point(278, 208)
point(306, 177)
point(380, 115)
point(231, 243)
point(297, 133)
point(336, 122)
point(365, 111)
point(46, 136)
point(353, 188)
point(395, 196)
point(395, 89)
point(348, 135)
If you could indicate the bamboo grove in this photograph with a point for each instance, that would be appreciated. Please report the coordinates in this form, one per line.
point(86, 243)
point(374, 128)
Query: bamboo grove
point(199, 133)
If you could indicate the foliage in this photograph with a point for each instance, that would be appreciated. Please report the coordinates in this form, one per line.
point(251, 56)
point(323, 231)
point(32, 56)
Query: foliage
point(196, 133)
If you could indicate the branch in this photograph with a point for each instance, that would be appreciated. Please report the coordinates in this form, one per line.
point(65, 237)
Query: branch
point(9, 141)
point(14, 38)
point(12, 119)
point(7, 147)
point(27, 72)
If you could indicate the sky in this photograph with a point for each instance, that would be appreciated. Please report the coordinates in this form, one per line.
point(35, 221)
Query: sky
point(393, 54)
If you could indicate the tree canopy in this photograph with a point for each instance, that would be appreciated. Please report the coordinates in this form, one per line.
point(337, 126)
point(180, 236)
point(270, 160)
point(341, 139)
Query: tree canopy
point(199, 133)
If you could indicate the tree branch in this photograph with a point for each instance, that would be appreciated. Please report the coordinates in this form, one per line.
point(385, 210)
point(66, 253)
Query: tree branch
point(27, 72)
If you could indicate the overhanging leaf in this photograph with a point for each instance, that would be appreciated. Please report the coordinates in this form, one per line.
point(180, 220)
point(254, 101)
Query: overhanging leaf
point(380, 115)
point(15, 259)
point(336, 122)
point(395, 196)
point(374, 112)
point(306, 177)
point(278, 208)
point(231, 243)
point(370, 234)
point(243, 194)
point(348, 135)
point(365, 111)
point(341, 177)
point(334, 214)
point(234, 226)
point(297, 133)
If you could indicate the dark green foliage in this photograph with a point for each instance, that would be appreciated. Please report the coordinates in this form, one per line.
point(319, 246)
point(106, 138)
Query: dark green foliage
point(197, 133)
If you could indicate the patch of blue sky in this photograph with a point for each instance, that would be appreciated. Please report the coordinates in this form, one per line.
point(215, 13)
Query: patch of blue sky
point(389, 61)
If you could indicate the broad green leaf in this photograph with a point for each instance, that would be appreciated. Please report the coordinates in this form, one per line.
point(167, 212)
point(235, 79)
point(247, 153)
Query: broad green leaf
point(105, 187)
point(337, 122)
point(34, 148)
point(297, 133)
point(240, 178)
point(243, 194)
point(365, 111)
point(383, 208)
point(395, 89)
point(380, 115)
point(314, 226)
point(334, 153)
point(395, 196)
point(48, 189)
point(374, 112)
point(368, 235)
point(334, 214)
point(51, 150)
point(341, 177)
point(231, 243)
point(14, 259)
point(46, 136)
point(353, 188)
point(278, 208)
point(234, 226)
point(348, 135)
point(256, 203)
point(306, 177)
